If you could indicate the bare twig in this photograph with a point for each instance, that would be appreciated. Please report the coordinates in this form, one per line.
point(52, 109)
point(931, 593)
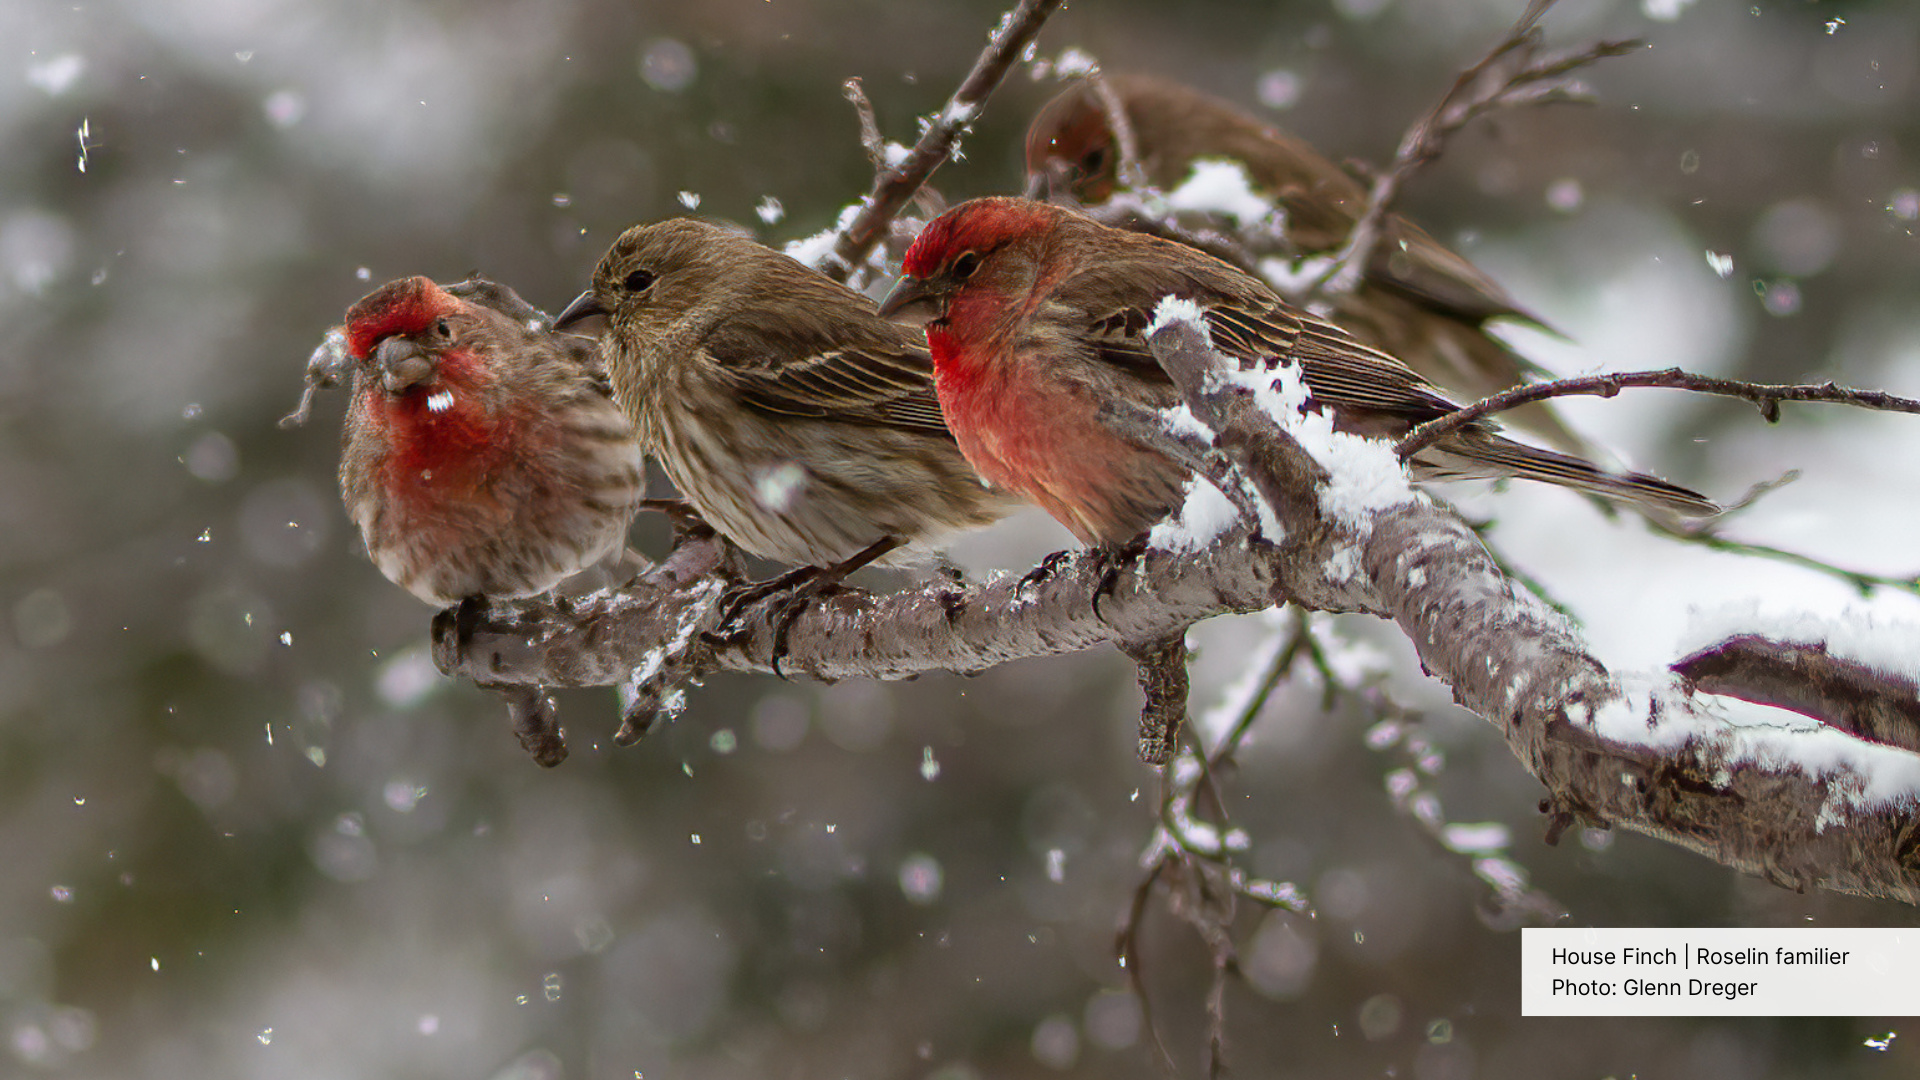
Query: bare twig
point(1764, 396)
point(869, 127)
point(893, 187)
point(1514, 72)
point(1132, 174)
point(1126, 947)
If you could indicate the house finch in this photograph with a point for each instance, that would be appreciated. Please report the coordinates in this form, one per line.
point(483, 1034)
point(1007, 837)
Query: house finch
point(1037, 320)
point(1417, 300)
point(795, 419)
point(483, 453)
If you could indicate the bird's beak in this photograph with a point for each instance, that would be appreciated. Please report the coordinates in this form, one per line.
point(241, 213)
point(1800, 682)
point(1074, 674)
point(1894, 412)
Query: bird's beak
point(402, 365)
point(585, 306)
point(914, 302)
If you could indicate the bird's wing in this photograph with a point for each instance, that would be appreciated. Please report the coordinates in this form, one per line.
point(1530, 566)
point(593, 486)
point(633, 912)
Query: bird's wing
point(864, 384)
point(1339, 371)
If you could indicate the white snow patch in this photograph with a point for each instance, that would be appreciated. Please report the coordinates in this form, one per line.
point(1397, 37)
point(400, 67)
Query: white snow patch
point(1891, 647)
point(690, 200)
point(1295, 277)
point(895, 154)
point(1218, 186)
point(1203, 517)
point(770, 210)
point(1173, 309)
point(959, 113)
point(1074, 63)
point(1365, 476)
point(1859, 775)
point(1181, 421)
point(815, 250)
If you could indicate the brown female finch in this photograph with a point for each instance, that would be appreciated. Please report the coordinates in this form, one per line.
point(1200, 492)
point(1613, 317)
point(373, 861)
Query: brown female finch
point(797, 421)
point(1038, 315)
point(1417, 300)
point(483, 453)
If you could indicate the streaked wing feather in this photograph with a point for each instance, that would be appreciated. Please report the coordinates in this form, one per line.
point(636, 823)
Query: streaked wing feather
point(862, 386)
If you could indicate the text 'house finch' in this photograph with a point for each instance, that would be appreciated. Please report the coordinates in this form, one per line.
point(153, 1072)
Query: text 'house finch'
point(1417, 300)
point(797, 421)
point(1038, 315)
point(483, 453)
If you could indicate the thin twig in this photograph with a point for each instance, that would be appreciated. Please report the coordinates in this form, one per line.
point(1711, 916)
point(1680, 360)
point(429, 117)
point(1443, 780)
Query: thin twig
point(1766, 397)
point(1126, 947)
point(893, 187)
point(1510, 74)
point(869, 127)
point(1132, 174)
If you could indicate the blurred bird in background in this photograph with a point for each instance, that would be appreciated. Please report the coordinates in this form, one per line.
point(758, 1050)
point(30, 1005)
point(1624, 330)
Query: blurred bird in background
point(1417, 300)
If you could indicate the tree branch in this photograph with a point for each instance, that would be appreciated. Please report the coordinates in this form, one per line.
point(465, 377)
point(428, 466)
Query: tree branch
point(893, 187)
point(1805, 678)
point(1514, 72)
point(1764, 396)
point(1639, 752)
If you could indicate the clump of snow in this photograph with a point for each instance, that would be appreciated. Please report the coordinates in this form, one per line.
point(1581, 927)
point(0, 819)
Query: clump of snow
point(1173, 309)
point(895, 154)
point(959, 113)
point(1074, 62)
point(690, 200)
point(1218, 186)
point(1182, 423)
point(1296, 277)
point(1203, 517)
point(770, 210)
point(816, 250)
point(1720, 264)
point(1654, 710)
point(1365, 477)
point(1855, 635)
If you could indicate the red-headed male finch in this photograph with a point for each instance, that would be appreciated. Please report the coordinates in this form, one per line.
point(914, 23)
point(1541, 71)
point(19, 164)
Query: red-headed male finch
point(483, 453)
point(1417, 300)
point(1037, 318)
point(797, 421)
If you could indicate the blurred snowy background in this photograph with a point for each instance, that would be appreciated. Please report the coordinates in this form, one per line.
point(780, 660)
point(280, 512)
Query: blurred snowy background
point(246, 830)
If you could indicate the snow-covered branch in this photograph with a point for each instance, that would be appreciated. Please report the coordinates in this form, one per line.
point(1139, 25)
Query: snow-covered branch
point(1802, 805)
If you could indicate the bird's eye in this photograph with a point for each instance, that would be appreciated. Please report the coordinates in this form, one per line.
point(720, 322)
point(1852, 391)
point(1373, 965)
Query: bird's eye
point(1094, 161)
point(965, 266)
point(638, 281)
point(443, 328)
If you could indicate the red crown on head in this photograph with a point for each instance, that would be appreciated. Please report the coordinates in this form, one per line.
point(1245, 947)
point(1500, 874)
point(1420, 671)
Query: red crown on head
point(406, 306)
point(977, 224)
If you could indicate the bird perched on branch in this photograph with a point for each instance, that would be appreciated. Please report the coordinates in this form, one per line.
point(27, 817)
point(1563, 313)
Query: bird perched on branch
point(1417, 300)
point(1037, 318)
point(797, 421)
point(483, 454)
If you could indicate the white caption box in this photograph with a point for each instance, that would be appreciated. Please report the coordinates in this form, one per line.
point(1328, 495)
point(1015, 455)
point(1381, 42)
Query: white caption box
point(1723, 971)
